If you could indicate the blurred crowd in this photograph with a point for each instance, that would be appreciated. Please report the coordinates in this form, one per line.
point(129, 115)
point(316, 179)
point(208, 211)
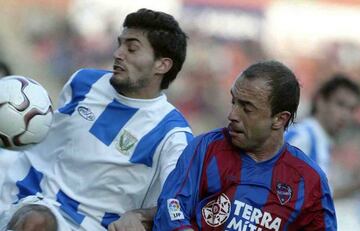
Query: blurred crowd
point(52, 49)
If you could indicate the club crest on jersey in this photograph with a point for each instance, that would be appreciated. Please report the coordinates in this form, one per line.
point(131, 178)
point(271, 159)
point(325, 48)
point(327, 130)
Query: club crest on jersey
point(283, 192)
point(217, 211)
point(174, 209)
point(126, 142)
point(86, 113)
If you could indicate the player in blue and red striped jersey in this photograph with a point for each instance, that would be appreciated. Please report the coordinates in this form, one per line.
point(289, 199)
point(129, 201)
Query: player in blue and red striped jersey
point(244, 176)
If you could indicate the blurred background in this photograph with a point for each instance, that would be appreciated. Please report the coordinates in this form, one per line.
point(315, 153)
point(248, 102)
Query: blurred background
point(50, 39)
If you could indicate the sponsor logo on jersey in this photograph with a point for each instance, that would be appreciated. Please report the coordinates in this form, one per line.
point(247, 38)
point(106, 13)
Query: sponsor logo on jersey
point(283, 192)
point(216, 212)
point(174, 209)
point(126, 142)
point(247, 217)
point(242, 216)
point(86, 113)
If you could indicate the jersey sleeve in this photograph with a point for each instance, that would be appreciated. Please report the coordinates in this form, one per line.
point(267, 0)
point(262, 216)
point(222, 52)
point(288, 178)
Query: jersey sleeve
point(178, 199)
point(173, 146)
point(171, 152)
point(322, 214)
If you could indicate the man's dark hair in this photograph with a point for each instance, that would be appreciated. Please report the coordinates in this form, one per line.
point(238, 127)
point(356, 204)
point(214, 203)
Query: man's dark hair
point(336, 82)
point(285, 88)
point(165, 36)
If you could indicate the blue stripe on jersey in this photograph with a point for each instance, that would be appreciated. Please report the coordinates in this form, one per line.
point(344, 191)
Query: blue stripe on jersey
point(328, 204)
point(30, 185)
point(69, 206)
point(213, 177)
point(298, 205)
point(111, 120)
point(255, 184)
point(147, 145)
point(108, 218)
point(80, 86)
point(189, 137)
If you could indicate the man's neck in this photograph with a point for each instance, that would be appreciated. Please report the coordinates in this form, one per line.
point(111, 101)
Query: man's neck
point(268, 150)
point(141, 95)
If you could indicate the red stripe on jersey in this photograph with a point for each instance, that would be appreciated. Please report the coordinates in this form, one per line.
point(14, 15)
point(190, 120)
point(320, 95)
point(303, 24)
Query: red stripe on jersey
point(229, 166)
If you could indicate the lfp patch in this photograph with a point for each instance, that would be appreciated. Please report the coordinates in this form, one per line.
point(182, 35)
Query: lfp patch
point(174, 209)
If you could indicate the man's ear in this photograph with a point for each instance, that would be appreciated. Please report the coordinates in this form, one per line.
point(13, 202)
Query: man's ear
point(163, 65)
point(280, 119)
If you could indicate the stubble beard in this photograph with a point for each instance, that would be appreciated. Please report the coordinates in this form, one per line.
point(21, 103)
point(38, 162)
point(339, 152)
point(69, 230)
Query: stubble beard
point(126, 86)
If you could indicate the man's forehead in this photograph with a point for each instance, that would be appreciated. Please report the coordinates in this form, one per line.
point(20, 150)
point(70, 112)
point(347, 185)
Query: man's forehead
point(132, 33)
point(257, 88)
point(252, 83)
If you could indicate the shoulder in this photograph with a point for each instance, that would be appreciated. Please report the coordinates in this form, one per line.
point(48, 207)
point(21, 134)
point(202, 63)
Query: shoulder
point(174, 119)
point(213, 137)
point(303, 164)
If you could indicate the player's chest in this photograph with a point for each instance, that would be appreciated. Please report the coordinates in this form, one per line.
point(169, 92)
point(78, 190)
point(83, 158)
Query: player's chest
point(251, 198)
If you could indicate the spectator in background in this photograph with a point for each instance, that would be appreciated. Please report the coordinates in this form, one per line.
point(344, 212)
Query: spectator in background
point(4, 69)
point(244, 176)
point(333, 108)
point(7, 157)
point(113, 141)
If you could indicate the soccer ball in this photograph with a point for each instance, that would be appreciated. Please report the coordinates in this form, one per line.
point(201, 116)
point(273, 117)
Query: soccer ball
point(25, 112)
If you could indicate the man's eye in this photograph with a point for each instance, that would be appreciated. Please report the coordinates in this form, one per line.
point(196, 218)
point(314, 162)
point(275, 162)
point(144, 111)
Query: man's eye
point(132, 49)
point(246, 109)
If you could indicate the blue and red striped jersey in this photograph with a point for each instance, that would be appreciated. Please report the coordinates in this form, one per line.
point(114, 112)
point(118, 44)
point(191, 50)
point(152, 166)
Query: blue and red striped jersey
point(216, 186)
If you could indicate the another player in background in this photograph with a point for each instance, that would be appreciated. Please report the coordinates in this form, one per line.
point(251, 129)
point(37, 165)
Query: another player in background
point(333, 107)
point(244, 176)
point(114, 139)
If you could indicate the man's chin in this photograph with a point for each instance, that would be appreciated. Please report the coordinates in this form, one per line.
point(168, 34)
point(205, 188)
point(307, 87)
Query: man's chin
point(237, 143)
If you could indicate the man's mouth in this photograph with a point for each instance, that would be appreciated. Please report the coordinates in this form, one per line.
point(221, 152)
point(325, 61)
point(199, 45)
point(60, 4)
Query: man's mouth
point(118, 68)
point(233, 131)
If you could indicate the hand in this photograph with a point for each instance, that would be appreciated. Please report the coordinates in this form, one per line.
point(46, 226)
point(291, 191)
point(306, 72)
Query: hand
point(129, 221)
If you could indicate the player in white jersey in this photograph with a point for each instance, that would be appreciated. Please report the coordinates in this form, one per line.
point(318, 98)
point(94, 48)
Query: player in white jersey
point(332, 110)
point(114, 139)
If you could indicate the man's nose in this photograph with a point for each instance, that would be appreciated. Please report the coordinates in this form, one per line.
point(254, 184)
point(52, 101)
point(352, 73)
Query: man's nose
point(119, 53)
point(232, 116)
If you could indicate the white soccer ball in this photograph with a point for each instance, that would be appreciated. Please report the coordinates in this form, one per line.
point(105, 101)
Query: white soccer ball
point(25, 112)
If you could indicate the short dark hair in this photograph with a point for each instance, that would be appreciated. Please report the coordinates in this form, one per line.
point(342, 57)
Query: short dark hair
point(327, 89)
point(285, 88)
point(165, 36)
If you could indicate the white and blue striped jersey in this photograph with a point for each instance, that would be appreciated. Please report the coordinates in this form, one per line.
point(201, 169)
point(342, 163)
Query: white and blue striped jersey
point(105, 153)
point(309, 136)
point(7, 158)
